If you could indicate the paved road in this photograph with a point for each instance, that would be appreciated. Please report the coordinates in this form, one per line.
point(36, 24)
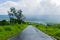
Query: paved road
point(31, 33)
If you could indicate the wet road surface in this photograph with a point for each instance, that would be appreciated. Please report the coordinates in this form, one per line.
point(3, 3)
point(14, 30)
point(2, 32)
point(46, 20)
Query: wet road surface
point(31, 33)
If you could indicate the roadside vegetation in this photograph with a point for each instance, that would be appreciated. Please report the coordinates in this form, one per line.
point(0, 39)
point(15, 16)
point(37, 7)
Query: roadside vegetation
point(50, 29)
point(8, 31)
point(13, 26)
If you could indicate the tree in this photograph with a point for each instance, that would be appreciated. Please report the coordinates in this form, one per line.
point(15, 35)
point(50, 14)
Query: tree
point(4, 22)
point(15, 15)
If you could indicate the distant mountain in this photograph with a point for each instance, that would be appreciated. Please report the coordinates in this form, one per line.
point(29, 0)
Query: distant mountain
point(39, 19)
point(45, 18)
point(4, 17)
point(31, 19)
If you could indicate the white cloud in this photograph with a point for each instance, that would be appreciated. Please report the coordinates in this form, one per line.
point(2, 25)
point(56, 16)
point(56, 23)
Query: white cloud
point(34, 8)
point(5, 6)
point(57, 2)
point(25, 5)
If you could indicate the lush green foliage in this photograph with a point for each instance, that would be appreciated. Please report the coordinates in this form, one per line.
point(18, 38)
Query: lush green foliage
point(50, 29)
point(7, 31)
point(4, 22)
point(15, 15)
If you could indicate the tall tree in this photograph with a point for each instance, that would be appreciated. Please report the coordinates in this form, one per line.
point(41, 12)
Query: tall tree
point(15, 14)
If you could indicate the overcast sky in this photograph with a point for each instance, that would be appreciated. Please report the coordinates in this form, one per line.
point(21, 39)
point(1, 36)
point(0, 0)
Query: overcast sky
point(39, 7)
point(47, 9)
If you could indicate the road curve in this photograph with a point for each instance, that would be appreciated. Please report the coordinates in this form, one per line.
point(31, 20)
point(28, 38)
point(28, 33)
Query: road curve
point(31, 33)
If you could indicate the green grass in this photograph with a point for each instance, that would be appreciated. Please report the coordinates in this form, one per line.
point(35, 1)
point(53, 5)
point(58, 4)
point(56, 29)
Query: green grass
point(52, 30)
point(8, 31)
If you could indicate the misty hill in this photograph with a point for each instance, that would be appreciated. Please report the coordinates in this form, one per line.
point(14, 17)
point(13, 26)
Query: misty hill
point(41, 18)
point(4, 17)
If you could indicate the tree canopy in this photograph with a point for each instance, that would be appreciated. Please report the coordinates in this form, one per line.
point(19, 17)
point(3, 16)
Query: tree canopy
point(15, 15)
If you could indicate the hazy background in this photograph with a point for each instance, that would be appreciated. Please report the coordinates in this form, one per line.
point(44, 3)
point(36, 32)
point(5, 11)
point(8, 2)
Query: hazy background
point(38, 10)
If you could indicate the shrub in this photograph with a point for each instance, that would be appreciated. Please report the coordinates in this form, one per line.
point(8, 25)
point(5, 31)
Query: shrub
point(49, 24)
point(19, 27)
point(7, 29)
point(0, 30)
point(57, 34)
point(4, 22)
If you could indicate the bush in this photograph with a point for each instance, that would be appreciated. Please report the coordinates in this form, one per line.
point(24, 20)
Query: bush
point(0, 30)
point(7, 29)
point(49, 24)
point(58, 34)
point(4, 22)
point(13, 21)
point(19, 27)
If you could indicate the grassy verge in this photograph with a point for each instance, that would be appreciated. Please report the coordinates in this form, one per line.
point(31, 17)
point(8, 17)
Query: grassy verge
point(52, 30)
point(10, 30)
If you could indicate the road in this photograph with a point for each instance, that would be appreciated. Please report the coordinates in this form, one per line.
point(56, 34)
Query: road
point(31, 33)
